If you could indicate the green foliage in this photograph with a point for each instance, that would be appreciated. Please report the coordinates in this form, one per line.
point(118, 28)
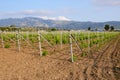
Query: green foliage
point(32, 40)
point(74, 58)
point(83, 45)
point(9, 28)
point(13, 26)
point(85, 37)
point(95, 42)
point(91, 44)
point(96, 29)
point(7, 45)
point(106, 27)
point(57, 39)
point(112, 28)
point(89, 28)
point(64, 41)
point(5, 38)
point(53, 29)
point(11, 36)
point(45, 53)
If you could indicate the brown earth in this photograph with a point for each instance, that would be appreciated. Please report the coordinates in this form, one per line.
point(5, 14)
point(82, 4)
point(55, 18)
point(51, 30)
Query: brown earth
point(25, 65)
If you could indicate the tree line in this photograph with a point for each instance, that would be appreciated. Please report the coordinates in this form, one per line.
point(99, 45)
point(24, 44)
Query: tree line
point(107, 27)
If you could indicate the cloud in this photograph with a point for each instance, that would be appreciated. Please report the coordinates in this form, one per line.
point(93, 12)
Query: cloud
point(25, 13)
point(35, 12)
point(61, 18)
point(107, 2)
point(46, 18)
point(45, 14)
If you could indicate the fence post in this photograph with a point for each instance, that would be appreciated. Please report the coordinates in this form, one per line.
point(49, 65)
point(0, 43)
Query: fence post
point(39, 39)
point(71, 49)
point(2, 39)
point(18, 40)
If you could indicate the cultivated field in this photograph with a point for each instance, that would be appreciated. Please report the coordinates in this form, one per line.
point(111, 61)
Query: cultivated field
point(60, 55)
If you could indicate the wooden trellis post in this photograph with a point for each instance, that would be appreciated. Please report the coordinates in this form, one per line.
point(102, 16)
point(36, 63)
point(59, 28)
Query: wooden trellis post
point(18, 40)
point(39, 39)
point(71, 49)
point(2, 40)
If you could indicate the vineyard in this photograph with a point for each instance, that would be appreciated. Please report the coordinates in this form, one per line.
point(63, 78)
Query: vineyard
point(70, 55)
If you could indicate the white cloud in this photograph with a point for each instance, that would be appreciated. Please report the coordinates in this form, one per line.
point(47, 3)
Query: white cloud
point(46, 18)
point(34, 13)
point(62, 18)
point(107, 2)
point(26, 13)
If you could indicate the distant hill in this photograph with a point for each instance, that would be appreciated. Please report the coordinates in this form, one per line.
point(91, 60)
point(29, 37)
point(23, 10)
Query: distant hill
point(39, 22)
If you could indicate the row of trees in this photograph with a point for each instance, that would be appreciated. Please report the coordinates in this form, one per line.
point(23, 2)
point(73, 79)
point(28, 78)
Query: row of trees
point(107, 27)
point(14, 28)
point(9, 28)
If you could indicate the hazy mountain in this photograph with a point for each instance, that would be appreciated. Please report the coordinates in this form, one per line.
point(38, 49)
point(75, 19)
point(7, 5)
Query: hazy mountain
point(39, 22)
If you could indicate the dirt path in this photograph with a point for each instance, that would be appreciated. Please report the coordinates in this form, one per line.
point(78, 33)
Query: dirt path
point(103, 66)
point(26, 66)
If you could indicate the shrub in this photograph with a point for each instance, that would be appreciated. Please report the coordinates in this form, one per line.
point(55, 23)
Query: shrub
point(45, 53)
point(57, 40)
point(53, 29)
point(7, 46)
point(83, 45)
point(32, 40)
point(64, 41)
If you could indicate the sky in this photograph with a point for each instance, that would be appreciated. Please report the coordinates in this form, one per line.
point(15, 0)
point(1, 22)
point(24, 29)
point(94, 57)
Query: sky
point(76, 10)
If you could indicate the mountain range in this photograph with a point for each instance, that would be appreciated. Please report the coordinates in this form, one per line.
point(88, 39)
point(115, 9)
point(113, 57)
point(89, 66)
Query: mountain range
point(39, 22)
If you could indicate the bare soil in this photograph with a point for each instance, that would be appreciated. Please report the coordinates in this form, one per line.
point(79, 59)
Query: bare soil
point(26, 65)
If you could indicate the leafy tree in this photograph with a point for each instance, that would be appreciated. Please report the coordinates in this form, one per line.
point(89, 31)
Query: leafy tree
point(3, 28)
point(53, 29)
point(13, 26)
point(106, 27)
point(96, 29)
point(112, 28)
point(89, 28)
